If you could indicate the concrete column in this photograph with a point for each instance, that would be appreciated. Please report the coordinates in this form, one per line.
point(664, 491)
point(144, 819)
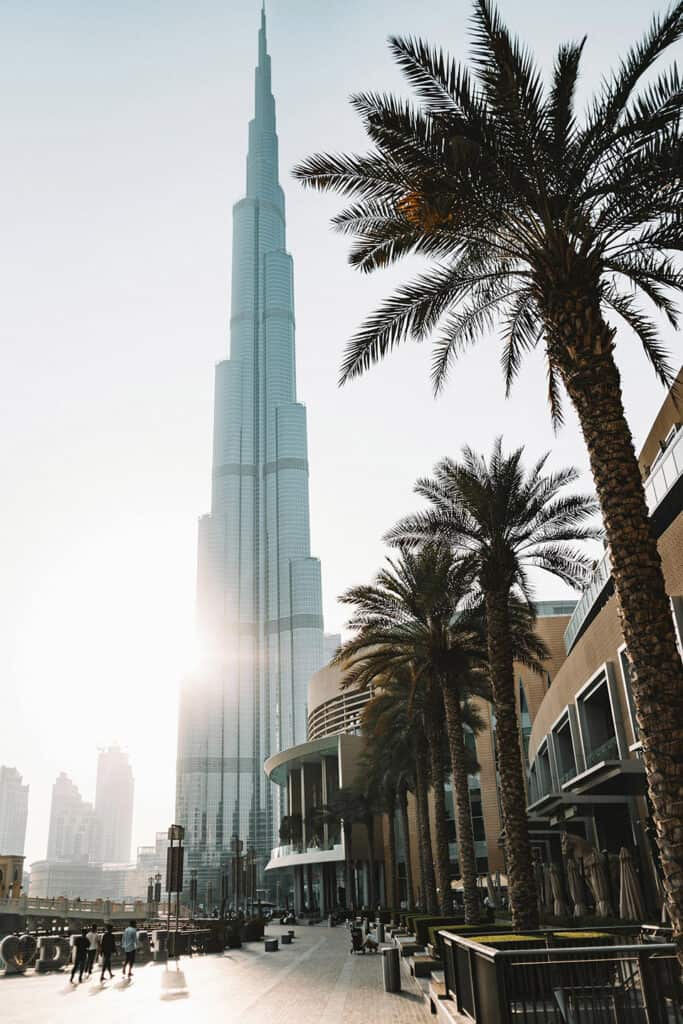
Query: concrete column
point(298, 890)
point(324, 907)
point(304, 809)
point(323, 775)
point(309, 885)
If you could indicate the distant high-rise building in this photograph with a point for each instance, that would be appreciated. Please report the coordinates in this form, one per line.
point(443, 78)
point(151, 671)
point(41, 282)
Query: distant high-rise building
point(331, 644)
point(13, 811)
point(258, 588)
point(74, 828)
point(114, 805)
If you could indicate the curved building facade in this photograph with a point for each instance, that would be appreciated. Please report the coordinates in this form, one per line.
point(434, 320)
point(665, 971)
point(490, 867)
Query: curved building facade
point(259, 604)
point(585, 772)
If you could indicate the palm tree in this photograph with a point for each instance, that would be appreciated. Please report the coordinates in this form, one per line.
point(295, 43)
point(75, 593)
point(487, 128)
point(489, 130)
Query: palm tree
point(392, 715)
point(390, 759)
point(504, 521)
point(411, 619)
point(345, 806)
point(380, 774)
point(551, 226)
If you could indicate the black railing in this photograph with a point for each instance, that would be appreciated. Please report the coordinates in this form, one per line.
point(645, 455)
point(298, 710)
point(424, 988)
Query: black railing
point(634, 984)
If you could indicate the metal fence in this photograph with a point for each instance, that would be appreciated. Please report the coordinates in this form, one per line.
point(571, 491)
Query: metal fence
point(635, 984)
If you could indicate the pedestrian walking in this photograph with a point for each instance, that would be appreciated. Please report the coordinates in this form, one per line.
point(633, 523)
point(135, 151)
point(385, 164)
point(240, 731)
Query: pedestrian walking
point(129, 945)
point(81, 945)
point(108, 947)
point(91, 936)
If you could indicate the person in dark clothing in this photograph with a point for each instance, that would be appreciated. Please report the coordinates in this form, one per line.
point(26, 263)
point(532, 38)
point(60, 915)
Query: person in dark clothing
point(108, 948)
point(81, 946)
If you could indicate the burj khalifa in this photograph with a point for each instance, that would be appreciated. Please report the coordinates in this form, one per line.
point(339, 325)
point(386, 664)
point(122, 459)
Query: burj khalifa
point(259, 606)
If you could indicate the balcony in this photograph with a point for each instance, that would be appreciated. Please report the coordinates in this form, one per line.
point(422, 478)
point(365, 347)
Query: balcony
point(607, 751)
point(294, 854)
point(601, 577)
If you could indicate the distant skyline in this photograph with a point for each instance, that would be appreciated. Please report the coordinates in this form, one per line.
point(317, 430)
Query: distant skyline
point(122, 147)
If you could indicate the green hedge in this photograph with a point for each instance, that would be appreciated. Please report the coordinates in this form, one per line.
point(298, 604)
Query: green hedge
point(423, 923)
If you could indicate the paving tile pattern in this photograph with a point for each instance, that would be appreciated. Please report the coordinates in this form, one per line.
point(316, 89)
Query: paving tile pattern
point(314, 981)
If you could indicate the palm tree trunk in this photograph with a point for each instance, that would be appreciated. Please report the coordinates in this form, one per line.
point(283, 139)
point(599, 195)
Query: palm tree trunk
point(463, 811)
point(403, 804)
point(350, 887)
point(392, 892)
point(370, 828)
point(425, 832)
point(519, 863)
point(442, 860)
point(594, 386)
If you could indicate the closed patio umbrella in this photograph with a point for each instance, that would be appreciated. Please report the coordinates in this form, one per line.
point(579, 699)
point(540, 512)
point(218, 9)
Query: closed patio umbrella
point(599, 883)
point(539, 877)
point(576, 890)
point(559, 906)
point(547, 889)
point(630, 896)
point(491, 892)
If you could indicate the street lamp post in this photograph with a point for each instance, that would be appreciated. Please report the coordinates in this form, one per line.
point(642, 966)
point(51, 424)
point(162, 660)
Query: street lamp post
point(193, 891)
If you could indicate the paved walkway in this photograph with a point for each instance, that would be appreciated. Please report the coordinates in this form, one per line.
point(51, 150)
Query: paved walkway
point(313, 981)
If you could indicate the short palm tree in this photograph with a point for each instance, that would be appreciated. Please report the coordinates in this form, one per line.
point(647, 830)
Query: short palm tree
point(411, 619)
point(504, 520)
point(390, 756)
point(346, 807)
point(552, 226)
point(380, 774)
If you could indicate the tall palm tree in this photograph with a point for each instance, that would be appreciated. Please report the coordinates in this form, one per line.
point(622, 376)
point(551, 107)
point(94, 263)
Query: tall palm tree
point(411, 619)
point(504, 521)
point(552, 226)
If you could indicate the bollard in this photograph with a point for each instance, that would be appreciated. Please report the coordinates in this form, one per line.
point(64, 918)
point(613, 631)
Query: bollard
point(286, 940)
point(380, 932)
point(271, 945)
point(392, 969)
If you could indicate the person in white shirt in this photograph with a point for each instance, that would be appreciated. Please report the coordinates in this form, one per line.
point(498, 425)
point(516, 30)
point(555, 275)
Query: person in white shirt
point(91, 936)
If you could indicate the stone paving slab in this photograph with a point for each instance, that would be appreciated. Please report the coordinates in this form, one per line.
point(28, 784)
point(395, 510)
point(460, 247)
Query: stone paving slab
point(314, 981)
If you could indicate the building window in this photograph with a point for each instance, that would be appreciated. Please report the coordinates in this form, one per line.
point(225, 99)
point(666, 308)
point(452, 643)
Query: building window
point(564, 750)
point(525, 720)
point(597, 723)
point(477, 816)
point(544, 775)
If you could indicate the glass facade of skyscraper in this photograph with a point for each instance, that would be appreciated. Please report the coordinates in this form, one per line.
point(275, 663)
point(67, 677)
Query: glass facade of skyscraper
point(258, 588)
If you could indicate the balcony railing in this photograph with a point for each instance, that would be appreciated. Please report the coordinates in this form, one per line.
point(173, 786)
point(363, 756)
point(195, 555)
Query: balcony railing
point(665, 474)
point(607, 751)
point(657, 486)
point(599, 581)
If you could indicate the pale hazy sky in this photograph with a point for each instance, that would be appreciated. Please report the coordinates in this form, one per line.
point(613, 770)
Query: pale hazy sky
point(122, 142)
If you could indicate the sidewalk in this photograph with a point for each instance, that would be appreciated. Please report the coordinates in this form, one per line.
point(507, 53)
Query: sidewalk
point(313, 981)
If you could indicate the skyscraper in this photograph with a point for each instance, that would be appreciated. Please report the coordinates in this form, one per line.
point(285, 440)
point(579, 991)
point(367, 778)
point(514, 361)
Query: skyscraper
point(74, 829)
point(13, 811)
point(259, 605)
point(114, 805)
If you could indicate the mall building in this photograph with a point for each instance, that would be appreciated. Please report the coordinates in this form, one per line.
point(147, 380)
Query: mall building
point(586, 775)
